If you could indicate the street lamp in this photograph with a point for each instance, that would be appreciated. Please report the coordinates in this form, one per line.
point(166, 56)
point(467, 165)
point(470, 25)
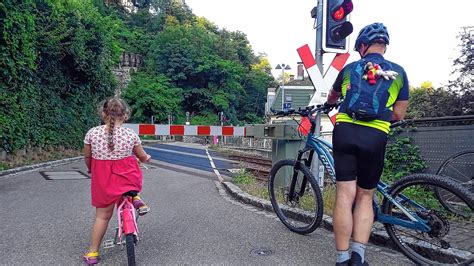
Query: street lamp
point(283, 67)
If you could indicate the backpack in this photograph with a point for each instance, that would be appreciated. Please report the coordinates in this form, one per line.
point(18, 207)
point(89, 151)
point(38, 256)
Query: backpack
point(367, 101)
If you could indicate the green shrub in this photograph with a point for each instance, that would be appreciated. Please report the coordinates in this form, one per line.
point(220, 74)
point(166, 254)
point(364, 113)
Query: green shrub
point(401, 158)
point(244, 178)
point(55, 62)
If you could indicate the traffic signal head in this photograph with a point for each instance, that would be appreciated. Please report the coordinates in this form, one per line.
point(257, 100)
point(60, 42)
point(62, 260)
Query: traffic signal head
point(336, 26)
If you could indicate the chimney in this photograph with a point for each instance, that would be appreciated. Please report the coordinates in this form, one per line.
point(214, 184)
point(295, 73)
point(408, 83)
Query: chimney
point(292, 77)
point(300, 71)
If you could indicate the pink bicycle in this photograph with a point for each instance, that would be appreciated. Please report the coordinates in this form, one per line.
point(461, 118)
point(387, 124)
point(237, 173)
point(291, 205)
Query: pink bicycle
point(127, 231)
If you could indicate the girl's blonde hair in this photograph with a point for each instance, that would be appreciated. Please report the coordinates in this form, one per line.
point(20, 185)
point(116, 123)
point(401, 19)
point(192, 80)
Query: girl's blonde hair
point(112, 110)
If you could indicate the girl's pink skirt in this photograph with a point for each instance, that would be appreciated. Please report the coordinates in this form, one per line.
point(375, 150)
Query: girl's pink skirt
point(111, 178)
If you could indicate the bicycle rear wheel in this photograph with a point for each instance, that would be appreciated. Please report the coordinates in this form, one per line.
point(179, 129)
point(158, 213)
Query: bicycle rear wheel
point(459, 168)
point(449, 240)
point(301, 211)
point(130, 243)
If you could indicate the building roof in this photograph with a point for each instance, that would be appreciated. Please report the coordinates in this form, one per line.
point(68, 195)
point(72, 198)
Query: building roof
point(300, 82)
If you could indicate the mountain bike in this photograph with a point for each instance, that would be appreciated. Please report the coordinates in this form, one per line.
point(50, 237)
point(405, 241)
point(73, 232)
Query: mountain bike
point(126, 233)
point(459, 168)
point(413, 217)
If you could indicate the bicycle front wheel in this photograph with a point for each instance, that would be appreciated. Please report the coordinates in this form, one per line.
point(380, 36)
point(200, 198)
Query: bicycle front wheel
point(449, 237)
point(130, 243)
point(459, 168)
point(301, 208)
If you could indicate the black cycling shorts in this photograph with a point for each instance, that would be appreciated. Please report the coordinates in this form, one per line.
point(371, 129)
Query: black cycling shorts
point(359, 153)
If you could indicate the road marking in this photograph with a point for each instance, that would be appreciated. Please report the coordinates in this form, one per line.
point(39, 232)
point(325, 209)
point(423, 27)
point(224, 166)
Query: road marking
point(214, 167)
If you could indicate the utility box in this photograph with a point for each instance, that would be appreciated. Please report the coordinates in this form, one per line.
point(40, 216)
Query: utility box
point(286, 130)
point(285, 149)
point(286, 139)
point(268, 131)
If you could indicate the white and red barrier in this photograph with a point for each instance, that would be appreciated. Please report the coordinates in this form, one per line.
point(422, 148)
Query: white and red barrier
point(186, 130)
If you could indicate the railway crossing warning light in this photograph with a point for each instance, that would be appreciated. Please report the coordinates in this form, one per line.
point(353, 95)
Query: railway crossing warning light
point(336, 26)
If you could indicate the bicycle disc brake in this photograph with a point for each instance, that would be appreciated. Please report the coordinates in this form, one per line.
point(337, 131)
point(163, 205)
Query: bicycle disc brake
point(439, 226)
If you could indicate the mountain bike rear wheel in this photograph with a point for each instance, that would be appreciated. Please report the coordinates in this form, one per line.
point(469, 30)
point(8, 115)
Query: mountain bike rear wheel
point(449, 240)
point(130, 243)
point(301, 211)
point(458, 168)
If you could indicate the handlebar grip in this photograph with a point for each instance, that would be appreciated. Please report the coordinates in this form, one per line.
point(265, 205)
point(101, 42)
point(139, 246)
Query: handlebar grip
point(398, 123)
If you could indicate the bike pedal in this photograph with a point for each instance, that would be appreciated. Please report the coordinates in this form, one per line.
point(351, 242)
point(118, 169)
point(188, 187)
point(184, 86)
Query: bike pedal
point(110, 243)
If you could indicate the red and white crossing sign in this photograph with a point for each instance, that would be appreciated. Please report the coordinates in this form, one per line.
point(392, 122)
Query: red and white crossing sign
point(320, 84)
point(186, 130)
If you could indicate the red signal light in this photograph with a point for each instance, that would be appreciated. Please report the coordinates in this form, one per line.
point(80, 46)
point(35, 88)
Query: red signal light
point(343, 10)
point(338, 14)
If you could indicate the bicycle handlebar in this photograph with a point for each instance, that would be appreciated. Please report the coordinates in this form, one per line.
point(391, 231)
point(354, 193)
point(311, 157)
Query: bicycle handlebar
point(307, 111)
point(399, 123)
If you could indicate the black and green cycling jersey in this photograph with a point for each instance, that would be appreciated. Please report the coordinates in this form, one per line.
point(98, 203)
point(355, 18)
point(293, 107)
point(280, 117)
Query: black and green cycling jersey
point(398, 91)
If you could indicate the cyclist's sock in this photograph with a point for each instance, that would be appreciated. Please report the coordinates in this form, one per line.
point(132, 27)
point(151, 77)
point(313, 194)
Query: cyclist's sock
point(359, 248)
point(342, 256)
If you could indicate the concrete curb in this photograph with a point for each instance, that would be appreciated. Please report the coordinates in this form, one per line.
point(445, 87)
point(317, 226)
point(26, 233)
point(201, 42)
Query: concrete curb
point(378, 236)
point(27, 168)
point(237, 193)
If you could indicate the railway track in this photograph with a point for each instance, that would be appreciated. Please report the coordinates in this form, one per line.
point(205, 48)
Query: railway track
point(259, 166)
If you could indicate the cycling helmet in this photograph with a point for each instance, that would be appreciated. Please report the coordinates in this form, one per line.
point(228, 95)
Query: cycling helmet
point(373, 33)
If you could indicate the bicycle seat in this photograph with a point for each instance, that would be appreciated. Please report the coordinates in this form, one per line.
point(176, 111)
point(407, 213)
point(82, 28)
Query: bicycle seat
point(131, 193)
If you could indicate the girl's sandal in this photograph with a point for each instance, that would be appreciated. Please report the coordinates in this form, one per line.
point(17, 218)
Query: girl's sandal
point(91, 258)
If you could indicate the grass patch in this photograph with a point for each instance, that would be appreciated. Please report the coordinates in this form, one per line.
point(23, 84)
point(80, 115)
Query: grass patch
point(329, 198)
point(4, 166)
point(35, 156)
point(244, 178)
point(248, 183)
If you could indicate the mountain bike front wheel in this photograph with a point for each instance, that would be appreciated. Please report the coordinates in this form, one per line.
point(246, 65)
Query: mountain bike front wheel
point(450, 234)
point(295, 196)
point(130, 243)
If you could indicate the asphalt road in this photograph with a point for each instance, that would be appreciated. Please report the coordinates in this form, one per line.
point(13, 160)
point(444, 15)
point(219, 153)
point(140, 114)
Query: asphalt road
point(192, 221)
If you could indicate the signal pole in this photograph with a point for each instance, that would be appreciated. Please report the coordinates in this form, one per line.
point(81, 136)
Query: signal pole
point(319, 36)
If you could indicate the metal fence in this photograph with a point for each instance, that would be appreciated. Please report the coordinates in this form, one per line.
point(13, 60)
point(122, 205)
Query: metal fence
point(439, 138)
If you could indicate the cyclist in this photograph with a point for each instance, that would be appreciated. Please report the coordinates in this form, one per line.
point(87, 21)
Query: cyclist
point(114, 170)
point(360, 137)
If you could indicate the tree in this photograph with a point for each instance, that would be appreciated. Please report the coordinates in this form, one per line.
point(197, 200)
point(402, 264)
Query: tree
point(435, 102)
point(427, 85)
point(464, 70)
point(56, 59)
point(149, 95)
point(464, 64)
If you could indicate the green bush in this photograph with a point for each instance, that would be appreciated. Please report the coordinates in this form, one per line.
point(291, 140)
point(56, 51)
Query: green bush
point(244, 178)
point(55, 62)
point(401, 158)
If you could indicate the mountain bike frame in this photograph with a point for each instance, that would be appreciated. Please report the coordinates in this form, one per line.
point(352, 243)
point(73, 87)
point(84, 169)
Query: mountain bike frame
point(323, 150)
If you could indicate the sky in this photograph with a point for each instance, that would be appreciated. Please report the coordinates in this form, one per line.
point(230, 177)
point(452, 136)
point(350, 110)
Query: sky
point(422, 32)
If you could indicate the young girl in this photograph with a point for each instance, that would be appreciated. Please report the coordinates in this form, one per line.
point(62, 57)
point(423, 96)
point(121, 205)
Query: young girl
point(108, 154)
